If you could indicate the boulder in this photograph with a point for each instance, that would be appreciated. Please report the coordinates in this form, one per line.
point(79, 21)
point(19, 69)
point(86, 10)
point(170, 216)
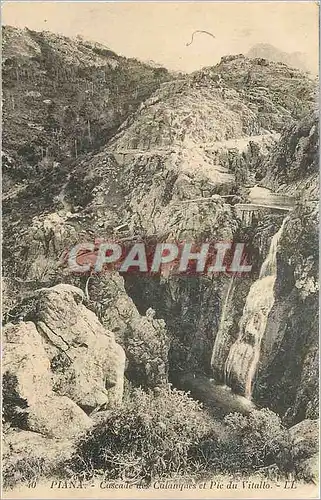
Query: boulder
point(25, 363)
point(309, 469)
point(26, 444)
point(57, 416)
point(59, 367)
point(305, 449)
point(305, 438)
point(28, 397)
point(86, 362)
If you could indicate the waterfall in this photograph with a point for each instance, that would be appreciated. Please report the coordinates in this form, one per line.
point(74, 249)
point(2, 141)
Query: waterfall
point(217, 360)
point(243, 358)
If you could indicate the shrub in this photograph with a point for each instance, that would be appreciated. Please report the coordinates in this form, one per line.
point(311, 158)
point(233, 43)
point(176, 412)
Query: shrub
point(256, 439)
point(253, 442)
point(150, 436)
point(25, 471)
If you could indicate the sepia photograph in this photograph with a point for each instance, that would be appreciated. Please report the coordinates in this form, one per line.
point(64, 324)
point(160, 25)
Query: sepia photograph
point(160, 250)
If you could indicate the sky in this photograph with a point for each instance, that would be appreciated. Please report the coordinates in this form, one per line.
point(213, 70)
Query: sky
point(159, 31)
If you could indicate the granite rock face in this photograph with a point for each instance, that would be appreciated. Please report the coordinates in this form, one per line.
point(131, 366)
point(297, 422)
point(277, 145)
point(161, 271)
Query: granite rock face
point(60, 366)
point(144, 337)
point(84, 356)
point(29, 400)
point(288, 372)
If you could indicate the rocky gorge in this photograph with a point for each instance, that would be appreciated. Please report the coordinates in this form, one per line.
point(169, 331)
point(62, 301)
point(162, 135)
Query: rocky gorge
point(171, 158)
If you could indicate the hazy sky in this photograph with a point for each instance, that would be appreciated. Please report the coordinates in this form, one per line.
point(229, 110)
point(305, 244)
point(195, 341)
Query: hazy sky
point(160, 31)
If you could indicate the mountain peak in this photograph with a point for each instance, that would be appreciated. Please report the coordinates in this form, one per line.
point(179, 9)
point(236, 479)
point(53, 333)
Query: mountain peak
point(296, 59)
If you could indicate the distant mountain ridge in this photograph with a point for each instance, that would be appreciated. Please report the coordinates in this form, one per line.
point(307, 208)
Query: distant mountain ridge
point(293, 59)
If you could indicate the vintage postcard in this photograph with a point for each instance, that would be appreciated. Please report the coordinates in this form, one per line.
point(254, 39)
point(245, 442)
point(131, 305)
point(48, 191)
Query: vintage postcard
point(160, 171)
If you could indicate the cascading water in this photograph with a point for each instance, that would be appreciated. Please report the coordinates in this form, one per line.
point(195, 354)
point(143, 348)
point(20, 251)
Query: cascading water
point(243, 358)
point(217, 360)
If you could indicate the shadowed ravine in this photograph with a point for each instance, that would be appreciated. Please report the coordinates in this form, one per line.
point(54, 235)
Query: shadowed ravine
point(240, 366)
point(234, 367)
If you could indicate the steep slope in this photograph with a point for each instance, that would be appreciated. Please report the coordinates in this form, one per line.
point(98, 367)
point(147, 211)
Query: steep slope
point(101, 147)
point(289, 370)
point(204, 134)
point(172, 158)
point(277, 331)
point(65, 96)
point(276, 92)
point(237, 97)
point(294, 162)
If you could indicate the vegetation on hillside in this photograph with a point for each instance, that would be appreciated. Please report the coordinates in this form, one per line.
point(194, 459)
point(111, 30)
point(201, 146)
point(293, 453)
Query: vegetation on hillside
point(168, 434)
point(64, 97)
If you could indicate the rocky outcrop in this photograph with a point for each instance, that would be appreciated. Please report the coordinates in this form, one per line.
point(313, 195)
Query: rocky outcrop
point(43, 242)
point(59, 366)
point(143, 336)
point(84, 357)
point(276, 93)
point(305, 449)
point(238, 97)
point(52, 413)
point(294, 161)
point(26, 362)
point(309, 469)
point(304, 436)
point(29, 400)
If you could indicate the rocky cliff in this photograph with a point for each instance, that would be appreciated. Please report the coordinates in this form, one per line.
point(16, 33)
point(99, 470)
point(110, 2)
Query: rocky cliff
point(58, 349)
point(293, 166)
point(288, 374)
